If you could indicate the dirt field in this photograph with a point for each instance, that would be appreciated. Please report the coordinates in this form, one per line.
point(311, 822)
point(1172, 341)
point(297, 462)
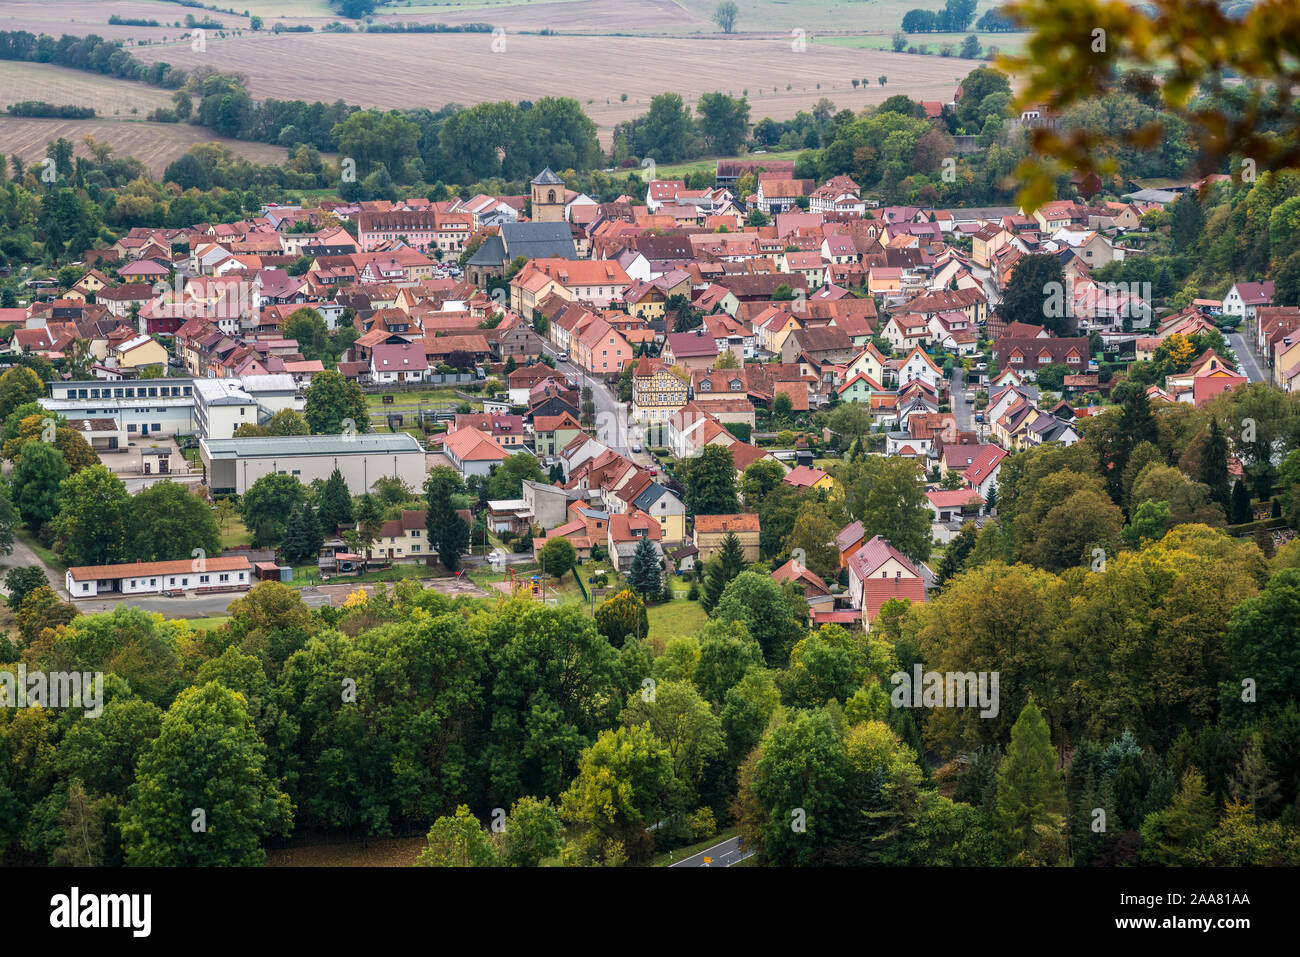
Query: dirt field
point(676, 49)
point(394, 852)
point(63, 86)
point(592, 69)
point(154, 144)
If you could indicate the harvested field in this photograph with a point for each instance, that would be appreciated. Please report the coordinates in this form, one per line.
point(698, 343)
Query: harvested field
point(534, 66)
point(154, 144)
point(388, 852)
point(81, 17)
point(111, 98)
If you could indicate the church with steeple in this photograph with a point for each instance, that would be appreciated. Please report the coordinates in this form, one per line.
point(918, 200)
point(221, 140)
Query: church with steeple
point(548, 198)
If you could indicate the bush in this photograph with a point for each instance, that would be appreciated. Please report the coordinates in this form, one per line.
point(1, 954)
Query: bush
point(703, 824)
point(694, 593)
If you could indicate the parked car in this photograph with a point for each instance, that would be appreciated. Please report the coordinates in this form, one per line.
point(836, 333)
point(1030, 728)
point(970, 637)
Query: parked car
point(562, 356)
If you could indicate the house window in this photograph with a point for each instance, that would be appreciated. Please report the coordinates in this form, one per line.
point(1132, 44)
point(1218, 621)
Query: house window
point(203, 579)
point(85, 588)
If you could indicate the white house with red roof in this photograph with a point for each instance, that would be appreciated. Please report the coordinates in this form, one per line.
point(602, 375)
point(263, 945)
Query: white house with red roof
point(878, 572)
point(1244, 298)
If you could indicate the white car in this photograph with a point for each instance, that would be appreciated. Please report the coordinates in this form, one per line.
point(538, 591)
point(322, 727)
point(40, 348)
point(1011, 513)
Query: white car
point(562, 356)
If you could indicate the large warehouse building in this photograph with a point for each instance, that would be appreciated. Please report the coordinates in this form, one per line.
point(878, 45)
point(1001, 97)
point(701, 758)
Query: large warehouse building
point(233, 465)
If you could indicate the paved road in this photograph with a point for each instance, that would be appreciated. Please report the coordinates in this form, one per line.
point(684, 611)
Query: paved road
point(963, 411)
point(719, 855)
point(194, 606)
point(1246, 356)
point(611, 414)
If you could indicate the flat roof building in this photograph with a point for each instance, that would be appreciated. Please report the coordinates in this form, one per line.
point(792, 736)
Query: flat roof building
point(233, 465)
point(208, 408)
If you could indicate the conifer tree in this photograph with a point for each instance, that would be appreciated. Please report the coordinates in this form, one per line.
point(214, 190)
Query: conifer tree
point(1030, 789)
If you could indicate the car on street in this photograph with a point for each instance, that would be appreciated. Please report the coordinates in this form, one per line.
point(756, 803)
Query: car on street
point(636, 448)
point(562, 356)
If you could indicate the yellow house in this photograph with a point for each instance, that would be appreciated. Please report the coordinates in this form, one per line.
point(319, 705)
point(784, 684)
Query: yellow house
point(530, 287)
point(777, 329)
point(139, 352)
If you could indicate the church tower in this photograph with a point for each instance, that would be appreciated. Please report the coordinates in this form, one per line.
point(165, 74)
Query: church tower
point(548, 198)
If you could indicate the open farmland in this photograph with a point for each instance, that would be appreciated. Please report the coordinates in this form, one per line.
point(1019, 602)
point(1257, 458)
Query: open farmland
point(154, 144)
point(63, 86)
point(81, 17)
point(535, 66)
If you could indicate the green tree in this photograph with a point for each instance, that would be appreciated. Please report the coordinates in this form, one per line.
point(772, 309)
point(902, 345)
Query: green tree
point(447, 531)
point(813, 538)
point(799, 783)
point(886, 494)
point(622, 616)
point(644, 576)
point(169, 522)
point(1177, 836)
point(557, 556)
point(287, 422)
point(718, 573)
point(201, 795)
point(685, 724)
point(18, 386)
point(625, 779)
point(458, 841)
point(724, 15)
point(1035, 294)
point(1031, 792)
point(21, 581)
point(334, 503)
point(303, 537)
point(533, 833)
point(36, 482)
point(332, 405)
point(771, 614)
point(267, 506)
point(711, 483)
point(91, 527)
point(724, 122)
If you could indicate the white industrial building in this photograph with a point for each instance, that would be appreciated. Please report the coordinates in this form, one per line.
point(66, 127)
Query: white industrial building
point(207, 408)
point(233, 465)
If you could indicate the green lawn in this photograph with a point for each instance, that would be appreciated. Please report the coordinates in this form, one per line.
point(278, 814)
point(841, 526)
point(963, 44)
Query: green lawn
point(709, 164)
point(236, 534)
point(408, 400)
point(677, 617)
point(209, 624)
point(1005, 42)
